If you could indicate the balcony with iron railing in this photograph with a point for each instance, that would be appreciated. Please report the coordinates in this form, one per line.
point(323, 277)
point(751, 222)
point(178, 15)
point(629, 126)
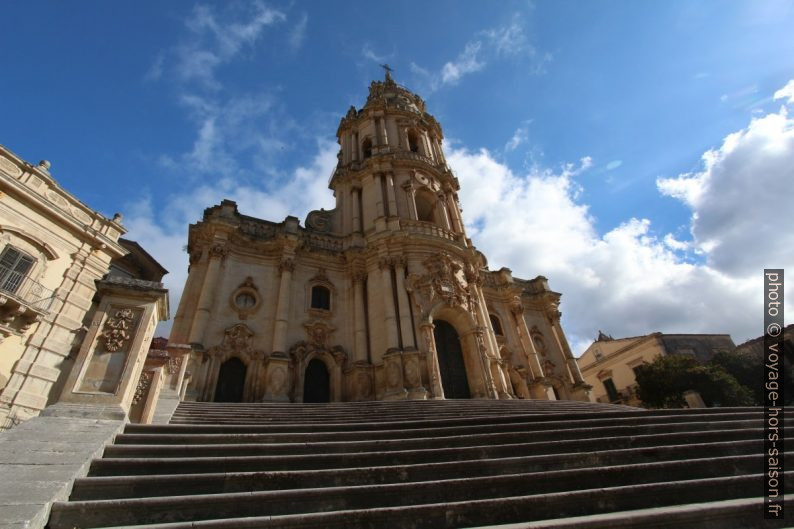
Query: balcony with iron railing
point(23, 301)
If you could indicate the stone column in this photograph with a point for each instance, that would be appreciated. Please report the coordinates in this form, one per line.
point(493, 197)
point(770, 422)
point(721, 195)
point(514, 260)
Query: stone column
point(359, 316)
point(434, 372)
point(286, 267)
point(356, 198)
point(379, 206)
point(383, 135)
point(525, 337)
point(411, 195)
point(216, 254)
point(457, 223)
point(406, 325)
point(392, 199)
point(559, 337)
point(390, 320)
point(442, 205)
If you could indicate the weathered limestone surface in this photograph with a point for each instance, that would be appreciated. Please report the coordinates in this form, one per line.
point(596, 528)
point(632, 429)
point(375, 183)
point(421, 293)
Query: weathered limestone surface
point(41, 458)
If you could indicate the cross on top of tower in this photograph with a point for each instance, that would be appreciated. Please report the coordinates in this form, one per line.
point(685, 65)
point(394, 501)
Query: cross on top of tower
point(388, 69)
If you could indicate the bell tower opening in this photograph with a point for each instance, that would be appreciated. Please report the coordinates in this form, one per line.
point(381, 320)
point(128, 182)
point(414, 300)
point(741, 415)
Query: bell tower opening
point(450, 361)
point(425, 207)
point(231, 381)
point(316, 382)
point(413, 141)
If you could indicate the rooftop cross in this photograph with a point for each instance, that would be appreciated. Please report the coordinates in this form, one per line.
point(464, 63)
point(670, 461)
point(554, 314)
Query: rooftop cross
point(388, 70)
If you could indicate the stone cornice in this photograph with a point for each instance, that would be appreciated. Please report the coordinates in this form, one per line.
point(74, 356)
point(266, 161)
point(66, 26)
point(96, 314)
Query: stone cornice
point(35, 187)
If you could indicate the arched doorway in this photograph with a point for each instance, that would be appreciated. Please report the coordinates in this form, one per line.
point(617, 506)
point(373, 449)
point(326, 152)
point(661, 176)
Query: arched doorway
point(316, 382)
point(450, 361)
point(231, 381)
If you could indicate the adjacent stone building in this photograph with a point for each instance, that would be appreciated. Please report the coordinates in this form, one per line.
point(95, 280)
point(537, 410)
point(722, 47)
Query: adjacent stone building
point(54, 253)
point(609, 364)
point(382, 297)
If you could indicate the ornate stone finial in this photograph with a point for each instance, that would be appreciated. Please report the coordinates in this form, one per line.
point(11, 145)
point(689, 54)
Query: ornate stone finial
point(45, 165)
point(388, 69)
point(117, 218)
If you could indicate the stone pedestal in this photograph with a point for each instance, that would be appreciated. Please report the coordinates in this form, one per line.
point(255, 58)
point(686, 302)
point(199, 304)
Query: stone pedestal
point(362, 383)
point(412, 374)
point(277, 378)
point(111, 358)
point(581, 391)
point(393, 376)
point(541, 389)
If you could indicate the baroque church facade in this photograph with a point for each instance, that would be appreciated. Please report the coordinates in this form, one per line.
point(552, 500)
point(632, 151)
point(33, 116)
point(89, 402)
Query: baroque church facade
point(383, 297)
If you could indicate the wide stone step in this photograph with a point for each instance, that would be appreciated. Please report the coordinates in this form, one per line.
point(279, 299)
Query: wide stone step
point(91, 488)
point(374, 506)
point(259, 447)
point(346, 458)
point(419, 424)
point(165, 434)
point(743, 513)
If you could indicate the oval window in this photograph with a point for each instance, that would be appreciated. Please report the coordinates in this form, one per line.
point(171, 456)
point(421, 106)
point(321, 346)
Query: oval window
point(245, 300)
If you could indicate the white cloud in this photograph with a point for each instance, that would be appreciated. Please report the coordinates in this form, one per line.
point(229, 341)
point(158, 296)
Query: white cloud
point(214, 40)
point(506, 41)
point(368, 53)
point(519, 137)
point(741, 198)
point(163, 230)
point(466, 63)
point(298, 33)
point(630, 280)
point(787, 92)
point(247, 128)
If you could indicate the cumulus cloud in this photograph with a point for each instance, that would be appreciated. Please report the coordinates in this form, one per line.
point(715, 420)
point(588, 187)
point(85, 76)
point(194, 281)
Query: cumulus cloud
point(741, 197)
point(632, 280)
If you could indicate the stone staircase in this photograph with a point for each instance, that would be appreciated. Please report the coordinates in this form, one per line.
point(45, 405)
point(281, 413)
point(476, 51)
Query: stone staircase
point(429, 464)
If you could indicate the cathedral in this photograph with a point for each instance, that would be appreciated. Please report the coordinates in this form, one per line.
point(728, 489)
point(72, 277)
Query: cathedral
point(383, 297)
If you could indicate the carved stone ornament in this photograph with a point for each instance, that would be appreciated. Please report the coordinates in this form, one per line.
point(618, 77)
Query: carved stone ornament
point(117, 329)
point(236, 339)
point(318, 333)
point(319, 220)
point(218, 251)
point(144, 383)
point(174, 364)
point(301, 350)
point(548, 368)
point(287, 265)
point(444, 280)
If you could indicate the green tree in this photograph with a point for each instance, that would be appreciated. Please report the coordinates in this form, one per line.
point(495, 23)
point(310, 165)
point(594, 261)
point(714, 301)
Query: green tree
point(748, 369)
point(662, 383)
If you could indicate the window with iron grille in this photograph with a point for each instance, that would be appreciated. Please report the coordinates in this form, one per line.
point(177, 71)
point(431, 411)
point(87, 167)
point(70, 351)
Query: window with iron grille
point(14, 267)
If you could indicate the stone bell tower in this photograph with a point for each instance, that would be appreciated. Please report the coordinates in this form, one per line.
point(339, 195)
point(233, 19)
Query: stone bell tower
point(382, 297)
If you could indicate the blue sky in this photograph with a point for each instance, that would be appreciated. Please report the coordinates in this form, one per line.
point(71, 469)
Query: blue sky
point(632, 152)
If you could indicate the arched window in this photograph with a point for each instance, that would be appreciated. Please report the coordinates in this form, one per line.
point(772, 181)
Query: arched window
point(321, 297)
point(366, 147)
point(14, 268)
point(496, 324)
point(413, 141)
point(425, 206)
